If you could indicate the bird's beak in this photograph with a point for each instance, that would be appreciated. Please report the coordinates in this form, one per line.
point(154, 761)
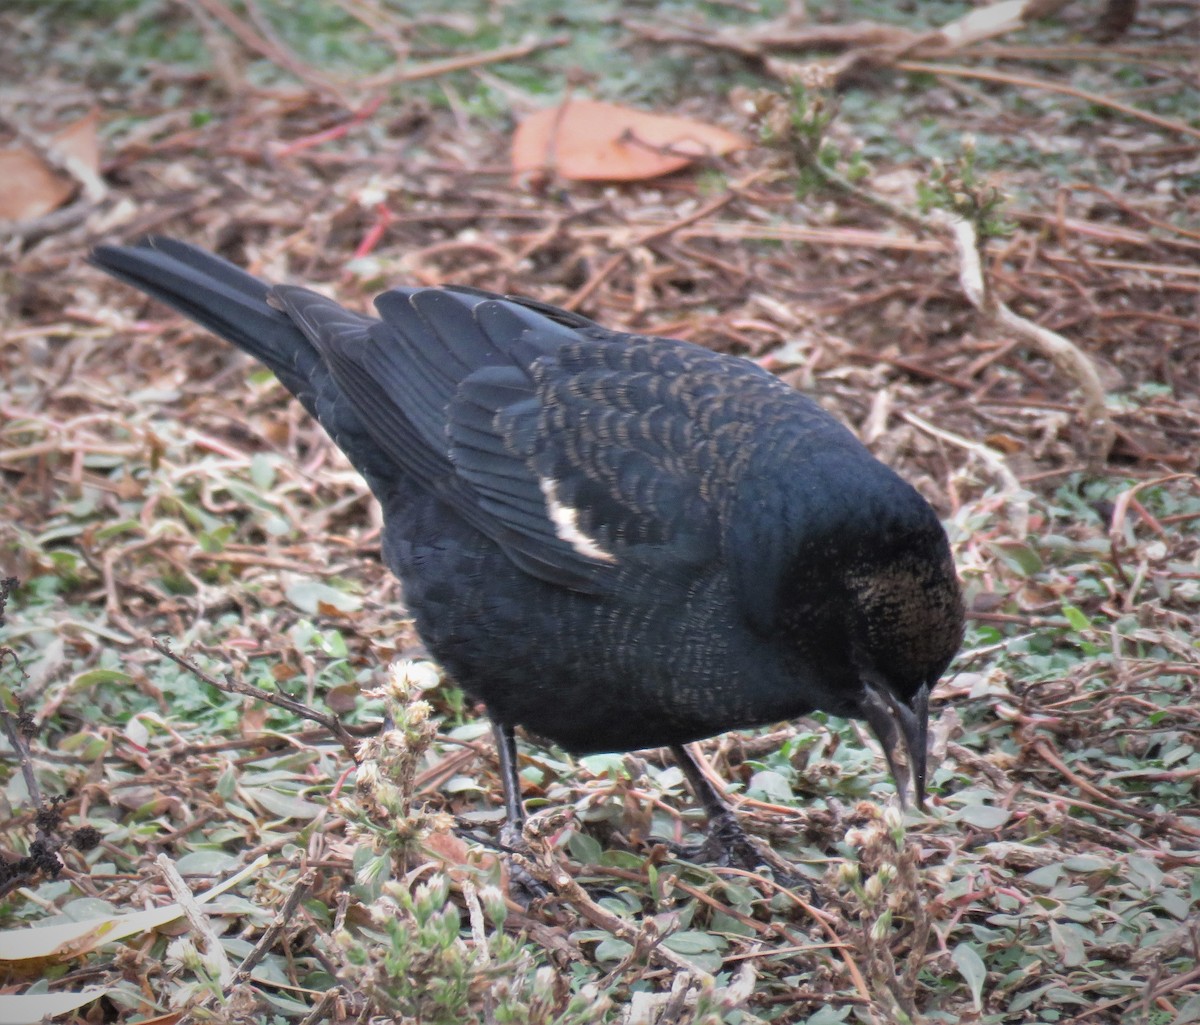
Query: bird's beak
point(891, 719)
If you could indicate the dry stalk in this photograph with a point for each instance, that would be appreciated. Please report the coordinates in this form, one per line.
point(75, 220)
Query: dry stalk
point(232, 686)
point(214, 954)
point(546, 866)
point(1016, 497)
point(1068, 357)
point(1027, 82)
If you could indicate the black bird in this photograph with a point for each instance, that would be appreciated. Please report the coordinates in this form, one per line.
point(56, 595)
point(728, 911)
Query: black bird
point(616, 541)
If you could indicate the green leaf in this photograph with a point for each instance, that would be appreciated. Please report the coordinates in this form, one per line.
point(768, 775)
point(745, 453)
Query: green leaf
point(1079, 622)
point(206, 862)
point(693, 941)
point(770, 786)
point(1087, 863)
point(971, 967)
point(213, 541)
point(85, 744)
point(95, 677)
point(1174, 905)
point(262, 471)
point(286, 806)
point(1047, 876)
point(723, 923)
point(828, 1016)
point(1019, 557)
point(1062, 995)
point(1068, 944)
point(623, 859)
point(1188, 1012)
point(976, 813)
point(1143, 872)
point(1178, 754)
point(611, 949)
point(120, 527)
point(584, 848)
point(227, 782)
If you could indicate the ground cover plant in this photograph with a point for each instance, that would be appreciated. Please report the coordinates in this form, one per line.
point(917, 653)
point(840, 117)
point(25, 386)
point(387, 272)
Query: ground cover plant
point(198, 643)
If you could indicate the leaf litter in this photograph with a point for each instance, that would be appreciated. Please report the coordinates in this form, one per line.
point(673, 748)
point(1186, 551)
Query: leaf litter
point(155, 485)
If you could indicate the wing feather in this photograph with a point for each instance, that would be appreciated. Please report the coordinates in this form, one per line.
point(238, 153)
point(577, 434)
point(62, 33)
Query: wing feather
point(575, 449)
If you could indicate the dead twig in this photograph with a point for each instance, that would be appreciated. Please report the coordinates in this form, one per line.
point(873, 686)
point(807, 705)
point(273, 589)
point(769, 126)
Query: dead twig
point(272, 50)
point(1026, 82)
point(272, 933)
point(210, 942)
point(1111, 801)
point(1065, 355)
point(655, 234)
point(546, 865)
point(1011, 490)
point(432, 69)
point(232, 686)
point(862, 44)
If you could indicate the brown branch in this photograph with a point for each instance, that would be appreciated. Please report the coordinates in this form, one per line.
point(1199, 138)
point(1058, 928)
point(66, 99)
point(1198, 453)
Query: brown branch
point(1065, 355)
point(299, 892)
point(545, 865)
point(1117, 801)
point(275, 52)
point(1024, 81)
point(432, 69)
point(231, 686)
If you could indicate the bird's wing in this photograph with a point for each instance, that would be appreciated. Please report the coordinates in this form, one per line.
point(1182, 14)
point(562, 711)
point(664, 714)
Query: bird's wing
point(583, 453)
point(589, 455)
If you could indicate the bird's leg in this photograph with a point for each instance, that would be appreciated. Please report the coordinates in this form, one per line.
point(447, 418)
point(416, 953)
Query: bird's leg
point(714, 804)
point(727, 842)
point(506, 753)
point(514, 809)
point(512, 838)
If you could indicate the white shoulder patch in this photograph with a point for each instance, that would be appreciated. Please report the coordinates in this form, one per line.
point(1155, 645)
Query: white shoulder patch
point(566, 524)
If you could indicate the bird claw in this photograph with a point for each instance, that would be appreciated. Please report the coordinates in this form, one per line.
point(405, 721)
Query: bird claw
point(728, 845)
point(523, 886)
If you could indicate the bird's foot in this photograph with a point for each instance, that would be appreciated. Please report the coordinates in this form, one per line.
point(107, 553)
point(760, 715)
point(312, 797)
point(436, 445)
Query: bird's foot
point(730, 846)
point(523, 886)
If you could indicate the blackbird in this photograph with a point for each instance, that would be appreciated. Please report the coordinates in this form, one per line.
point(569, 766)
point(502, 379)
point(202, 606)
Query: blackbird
point(613, 540)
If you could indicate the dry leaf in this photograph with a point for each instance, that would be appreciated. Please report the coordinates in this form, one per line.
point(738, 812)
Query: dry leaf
point(456, 854)
point(33, 1008)
point(63, 940)
point(585, 140)
point(32, 188)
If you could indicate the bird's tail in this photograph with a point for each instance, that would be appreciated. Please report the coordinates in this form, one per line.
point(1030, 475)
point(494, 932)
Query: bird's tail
point(239, 307)
point(223, 298)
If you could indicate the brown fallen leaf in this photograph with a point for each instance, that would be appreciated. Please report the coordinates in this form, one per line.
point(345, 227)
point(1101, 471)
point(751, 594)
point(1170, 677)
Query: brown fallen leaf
point(32, 187)
point(456, 855)
point(587, 140)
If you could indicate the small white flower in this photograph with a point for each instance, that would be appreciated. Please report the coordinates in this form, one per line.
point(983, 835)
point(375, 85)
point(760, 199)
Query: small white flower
point(409, 675)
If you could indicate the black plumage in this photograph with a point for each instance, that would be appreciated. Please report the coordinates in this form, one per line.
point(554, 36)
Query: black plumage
point(615, 541)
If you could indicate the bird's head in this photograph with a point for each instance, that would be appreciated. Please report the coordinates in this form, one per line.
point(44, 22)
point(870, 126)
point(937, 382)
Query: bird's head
point(905, 625)
point(870, 608)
